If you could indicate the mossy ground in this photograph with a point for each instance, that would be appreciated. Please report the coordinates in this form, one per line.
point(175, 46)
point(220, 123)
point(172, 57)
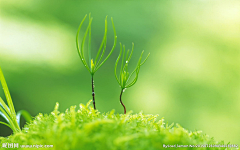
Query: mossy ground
point(87, 129)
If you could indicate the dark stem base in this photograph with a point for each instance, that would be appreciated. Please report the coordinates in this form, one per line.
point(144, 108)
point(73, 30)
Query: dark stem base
point(122, 102)
point(93, 94)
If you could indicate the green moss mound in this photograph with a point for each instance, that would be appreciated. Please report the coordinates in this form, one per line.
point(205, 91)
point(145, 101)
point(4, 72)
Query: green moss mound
point(87, 129)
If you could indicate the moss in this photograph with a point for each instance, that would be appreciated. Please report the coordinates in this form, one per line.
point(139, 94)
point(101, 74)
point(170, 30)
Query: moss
point(88, 129)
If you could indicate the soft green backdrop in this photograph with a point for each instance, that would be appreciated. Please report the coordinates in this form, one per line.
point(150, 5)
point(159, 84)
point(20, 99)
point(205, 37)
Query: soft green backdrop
point(192, 76)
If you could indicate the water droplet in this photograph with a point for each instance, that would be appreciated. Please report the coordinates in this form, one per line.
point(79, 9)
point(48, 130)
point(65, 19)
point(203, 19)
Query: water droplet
point(126, 62)
point(124, 89)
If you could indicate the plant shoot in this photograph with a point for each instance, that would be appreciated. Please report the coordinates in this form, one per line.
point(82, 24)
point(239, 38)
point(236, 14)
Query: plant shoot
point(96, 63)
point(124, 76)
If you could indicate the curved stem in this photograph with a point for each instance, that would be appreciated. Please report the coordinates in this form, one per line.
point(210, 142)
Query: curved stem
point(122, 102)
point(93, 94)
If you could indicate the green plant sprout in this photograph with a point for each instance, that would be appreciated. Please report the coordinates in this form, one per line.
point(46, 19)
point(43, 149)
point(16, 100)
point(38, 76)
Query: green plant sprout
point(94, 64)
point(8, 112)
point(124, 76)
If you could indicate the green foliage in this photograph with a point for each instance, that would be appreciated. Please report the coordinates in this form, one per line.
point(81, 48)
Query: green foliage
point(8, 111)
point(94, 65)
point(124, 76)
point(89, 129)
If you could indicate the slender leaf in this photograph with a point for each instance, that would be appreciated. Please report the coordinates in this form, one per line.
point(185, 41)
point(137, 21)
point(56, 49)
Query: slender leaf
point(7, 125)
point(7, 93)
point(140, 65)
point(121, 71)
point(9, 119)
point(127, 56)
point(145, 59)
point(4, 116)
point(114, 45)
point(135, 79)
point(25, 114)
point(77, 36)
point(104, 49)
point(124, 76)
point(6, 108)
point(8, 112)
point(115, 70)
point(131, 53)
point(89, 42)
point(101, 46)
point(82, 46)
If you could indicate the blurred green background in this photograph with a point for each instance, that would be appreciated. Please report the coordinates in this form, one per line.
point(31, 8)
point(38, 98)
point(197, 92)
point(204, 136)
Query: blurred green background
point(192, 76)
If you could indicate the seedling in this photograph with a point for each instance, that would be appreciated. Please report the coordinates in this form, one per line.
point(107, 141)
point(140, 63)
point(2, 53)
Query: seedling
point(94, 64)
point(8, 112)
point(124, 76)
